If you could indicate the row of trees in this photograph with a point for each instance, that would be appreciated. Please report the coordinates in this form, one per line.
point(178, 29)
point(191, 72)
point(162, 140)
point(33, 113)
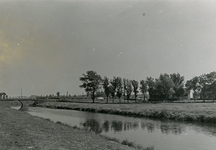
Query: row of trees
point(159, 88)
point(203, 84)
point(118, 87)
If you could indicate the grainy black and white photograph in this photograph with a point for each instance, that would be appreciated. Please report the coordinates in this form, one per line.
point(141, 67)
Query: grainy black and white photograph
point(107, 74)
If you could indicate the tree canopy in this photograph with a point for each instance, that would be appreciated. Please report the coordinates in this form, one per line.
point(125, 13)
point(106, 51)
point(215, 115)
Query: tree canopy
point(160, 88)
point(106, 87)
point(135, 85)
point(143, 87)
point(91, 83)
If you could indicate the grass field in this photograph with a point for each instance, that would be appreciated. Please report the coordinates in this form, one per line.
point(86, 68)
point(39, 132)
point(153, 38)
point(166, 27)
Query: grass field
point(193, 112)
point(102, 101)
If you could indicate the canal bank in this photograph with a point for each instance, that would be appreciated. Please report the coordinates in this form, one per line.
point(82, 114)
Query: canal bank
point(189, 112)
point(20, 130)
point(152, 133)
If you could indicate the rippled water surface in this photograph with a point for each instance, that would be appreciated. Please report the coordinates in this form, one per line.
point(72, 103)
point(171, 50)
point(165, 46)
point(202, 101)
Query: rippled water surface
point(163, 135)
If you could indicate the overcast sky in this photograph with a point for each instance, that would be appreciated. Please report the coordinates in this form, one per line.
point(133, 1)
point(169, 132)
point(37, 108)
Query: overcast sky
point(45, 46)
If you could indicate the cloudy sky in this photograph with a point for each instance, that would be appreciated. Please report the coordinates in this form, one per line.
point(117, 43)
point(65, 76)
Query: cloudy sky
point(45, 46)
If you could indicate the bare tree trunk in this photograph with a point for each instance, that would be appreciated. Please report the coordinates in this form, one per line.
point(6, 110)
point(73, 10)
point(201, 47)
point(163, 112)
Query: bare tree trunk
point(143, 97)
point(107, 99)
point(93, 96)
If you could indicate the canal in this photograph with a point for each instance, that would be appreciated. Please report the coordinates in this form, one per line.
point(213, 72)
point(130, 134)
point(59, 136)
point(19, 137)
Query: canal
point(162, 135)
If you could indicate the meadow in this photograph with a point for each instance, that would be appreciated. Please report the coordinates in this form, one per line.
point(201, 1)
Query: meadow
point(190, 112)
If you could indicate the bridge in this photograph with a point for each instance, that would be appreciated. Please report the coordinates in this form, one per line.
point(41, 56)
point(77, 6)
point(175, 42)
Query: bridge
point(3, 95)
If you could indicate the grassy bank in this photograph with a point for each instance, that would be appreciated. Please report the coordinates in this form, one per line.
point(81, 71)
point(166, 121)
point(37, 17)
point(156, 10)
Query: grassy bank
point(19, 130)
point(191, 112)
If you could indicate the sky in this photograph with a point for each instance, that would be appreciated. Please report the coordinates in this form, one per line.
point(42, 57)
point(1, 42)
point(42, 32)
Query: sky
point(45, 46)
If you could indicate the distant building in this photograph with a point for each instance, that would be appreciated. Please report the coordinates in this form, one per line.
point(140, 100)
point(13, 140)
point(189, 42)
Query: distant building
point(191, 94)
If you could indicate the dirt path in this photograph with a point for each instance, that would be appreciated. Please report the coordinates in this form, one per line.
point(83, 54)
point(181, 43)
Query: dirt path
point(21, 131)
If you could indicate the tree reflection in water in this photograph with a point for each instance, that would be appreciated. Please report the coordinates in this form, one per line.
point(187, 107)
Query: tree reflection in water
point(105, 126)
point(92, 125)
point(172, 128)
point(119, 126)
point(149, 125)
point(144, 131)
point(131, 126)
point(116, 126)
point(166, 127)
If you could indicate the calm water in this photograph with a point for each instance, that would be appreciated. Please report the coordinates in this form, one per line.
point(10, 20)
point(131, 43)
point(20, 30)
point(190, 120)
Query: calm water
point(163, 135)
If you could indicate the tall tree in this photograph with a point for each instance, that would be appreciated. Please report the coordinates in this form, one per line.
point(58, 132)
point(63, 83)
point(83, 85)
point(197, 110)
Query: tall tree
point(194, 85)
point(191, 84)
point(178, 81)
point(114, 84)
point(124, 88)
point(180, 91)
point(119, 88)
point(203, 81)
point(171, 92)
point(135, 88)
point(106, 87)
point(213, 88)
point(91, 83)
point(58, 94)
point(164, 84)
point(211, 77)
point(211, 80)
point(151, 84)
point(128, 89)
point(202, 84)
point(143, 88)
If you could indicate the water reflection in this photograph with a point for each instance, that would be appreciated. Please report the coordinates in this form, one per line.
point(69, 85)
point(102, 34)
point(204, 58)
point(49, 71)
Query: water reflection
point(105, 126)
point(147, 132)
point(92, 125)
point(207, 129)
point(131, 126)
point(117, 126)
point(171, 128)
point(120, 126)
point(149, 125)
point(105, 123)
